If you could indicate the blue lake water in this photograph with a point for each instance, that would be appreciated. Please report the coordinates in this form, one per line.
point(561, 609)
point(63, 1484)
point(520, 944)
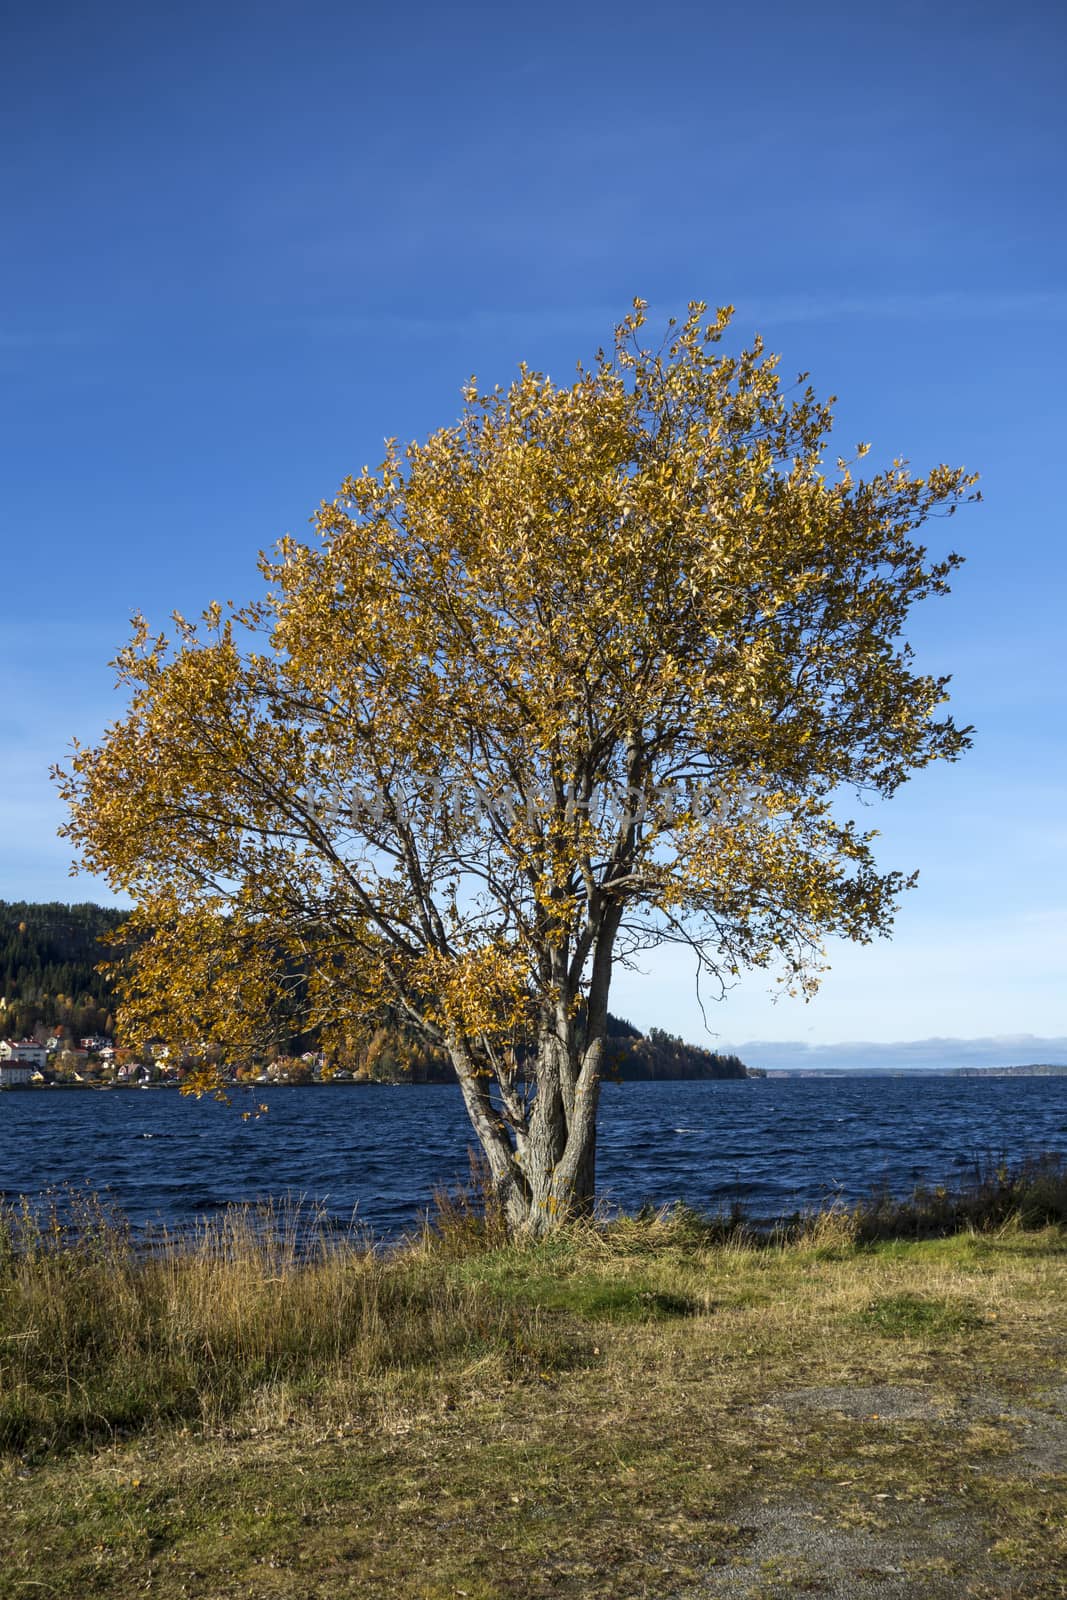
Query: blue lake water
point(377, 1152)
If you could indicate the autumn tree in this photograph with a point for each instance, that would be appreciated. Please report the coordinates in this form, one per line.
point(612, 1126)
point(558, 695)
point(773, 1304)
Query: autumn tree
point(594, 669)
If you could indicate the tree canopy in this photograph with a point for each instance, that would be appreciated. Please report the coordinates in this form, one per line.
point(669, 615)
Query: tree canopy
point(590, 670)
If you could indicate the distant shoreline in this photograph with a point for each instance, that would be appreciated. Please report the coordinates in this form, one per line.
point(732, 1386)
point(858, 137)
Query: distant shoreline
point(1035, 1070)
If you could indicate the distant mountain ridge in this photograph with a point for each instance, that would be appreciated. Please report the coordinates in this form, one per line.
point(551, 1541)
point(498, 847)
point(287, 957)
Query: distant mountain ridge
point(936, 1053)
point(1037, 1069)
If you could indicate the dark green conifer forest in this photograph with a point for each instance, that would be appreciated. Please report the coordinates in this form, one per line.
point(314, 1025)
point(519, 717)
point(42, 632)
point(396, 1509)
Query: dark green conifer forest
point(48, 956)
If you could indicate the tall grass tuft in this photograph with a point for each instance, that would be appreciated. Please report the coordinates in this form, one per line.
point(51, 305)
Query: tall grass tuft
point(102, 1335)
point(994, 1194)
point(464, 1220)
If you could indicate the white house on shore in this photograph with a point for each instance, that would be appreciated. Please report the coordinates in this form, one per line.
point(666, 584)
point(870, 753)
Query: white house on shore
point(15, 1074)
point(26, 1051)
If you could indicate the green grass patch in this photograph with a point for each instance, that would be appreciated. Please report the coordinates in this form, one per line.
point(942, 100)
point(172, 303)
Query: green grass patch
point(550, 1281)
point(914, 1316)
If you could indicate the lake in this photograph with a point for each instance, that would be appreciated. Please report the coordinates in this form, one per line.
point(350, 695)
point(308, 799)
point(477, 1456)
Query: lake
point(377, 1152)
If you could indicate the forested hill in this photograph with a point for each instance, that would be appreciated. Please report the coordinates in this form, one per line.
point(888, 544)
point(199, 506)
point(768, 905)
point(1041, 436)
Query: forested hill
point(48, 956)
point(663, 1056)
point(395, 1055)
point(49, 953)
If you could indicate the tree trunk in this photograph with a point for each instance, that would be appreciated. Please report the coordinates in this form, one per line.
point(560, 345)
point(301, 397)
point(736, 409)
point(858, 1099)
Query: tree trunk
point(544, 1174)
point(542, 1165)
point(560, 1155)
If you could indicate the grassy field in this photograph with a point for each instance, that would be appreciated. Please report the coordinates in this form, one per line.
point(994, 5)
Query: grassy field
point(655, 1408)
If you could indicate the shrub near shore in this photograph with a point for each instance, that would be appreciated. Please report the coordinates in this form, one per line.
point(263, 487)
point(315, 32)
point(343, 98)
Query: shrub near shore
point(376, 1404)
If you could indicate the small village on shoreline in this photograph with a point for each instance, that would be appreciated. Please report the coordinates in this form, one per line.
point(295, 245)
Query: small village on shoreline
point(96, 1062)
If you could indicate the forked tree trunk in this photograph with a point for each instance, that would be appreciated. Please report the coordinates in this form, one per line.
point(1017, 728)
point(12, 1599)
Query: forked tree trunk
point(558, 1157)
point(542, 1165)
point(545, 1174)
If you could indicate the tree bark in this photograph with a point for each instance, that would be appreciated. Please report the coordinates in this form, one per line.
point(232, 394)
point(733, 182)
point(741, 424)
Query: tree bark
point(544, 1173)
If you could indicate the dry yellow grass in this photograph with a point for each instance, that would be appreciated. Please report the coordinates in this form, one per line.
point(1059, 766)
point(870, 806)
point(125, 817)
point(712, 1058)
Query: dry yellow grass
point(637, 1411)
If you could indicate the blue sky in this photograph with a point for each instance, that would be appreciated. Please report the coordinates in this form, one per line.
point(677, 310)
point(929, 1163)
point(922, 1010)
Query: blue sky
point(244, 244)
